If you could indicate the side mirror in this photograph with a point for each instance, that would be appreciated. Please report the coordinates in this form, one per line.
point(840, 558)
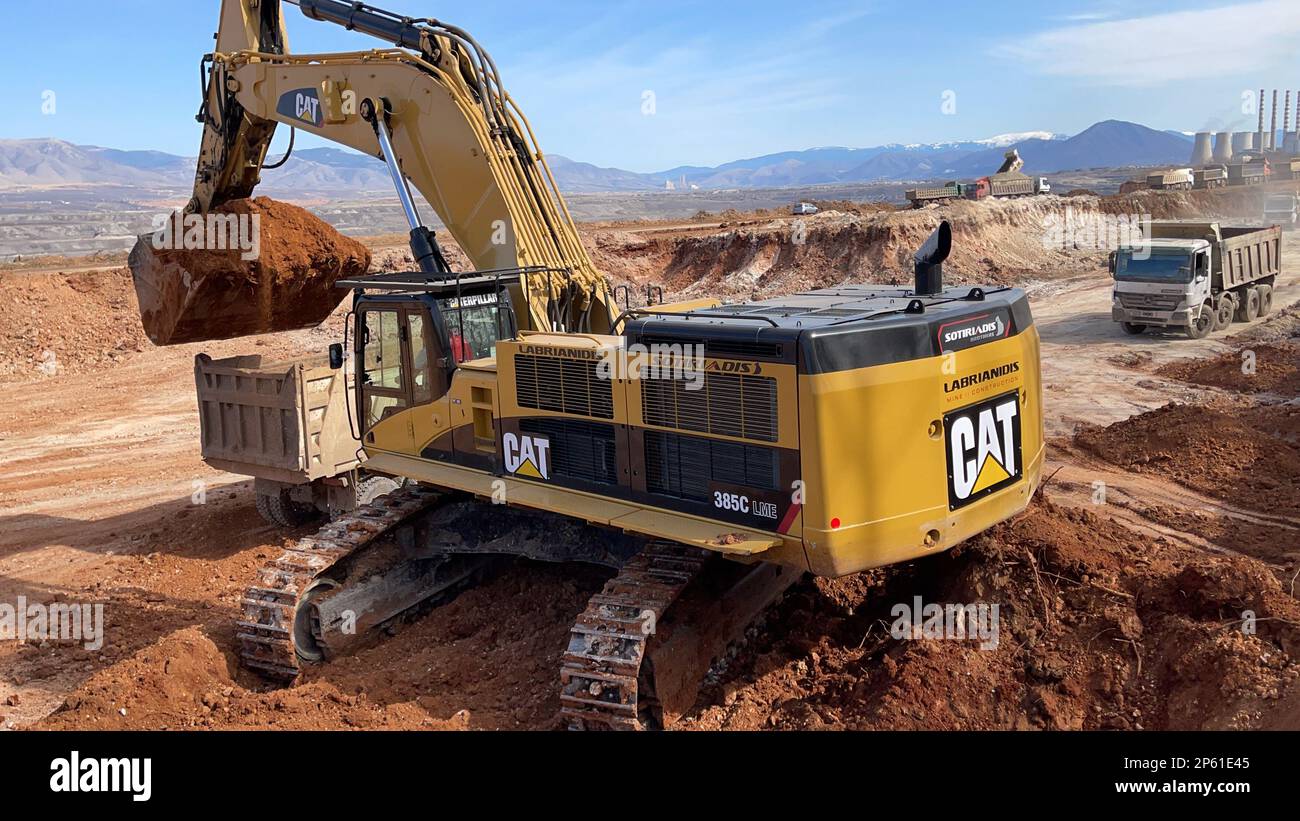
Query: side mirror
point(336, 355)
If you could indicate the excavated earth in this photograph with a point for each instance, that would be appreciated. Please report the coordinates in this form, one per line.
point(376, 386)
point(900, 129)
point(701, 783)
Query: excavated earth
point(1166, 603)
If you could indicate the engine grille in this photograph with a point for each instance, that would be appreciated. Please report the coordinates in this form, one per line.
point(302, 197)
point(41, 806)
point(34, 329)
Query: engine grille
point(1150, 302)
point(727, 405)
point(683, 466)
point(563, 385)
point(579, 450)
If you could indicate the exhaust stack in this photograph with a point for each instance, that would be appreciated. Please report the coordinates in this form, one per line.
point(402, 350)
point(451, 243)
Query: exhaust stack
point(929, 261)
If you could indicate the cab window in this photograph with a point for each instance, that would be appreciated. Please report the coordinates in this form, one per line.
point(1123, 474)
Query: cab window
point(383, 350)
point(383, 386)
point(472, 326)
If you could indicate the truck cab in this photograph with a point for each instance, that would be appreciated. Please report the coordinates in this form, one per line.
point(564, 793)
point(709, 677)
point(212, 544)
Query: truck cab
point(1162, 283)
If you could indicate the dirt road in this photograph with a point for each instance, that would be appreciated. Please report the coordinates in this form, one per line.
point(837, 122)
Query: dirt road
point(103, 498)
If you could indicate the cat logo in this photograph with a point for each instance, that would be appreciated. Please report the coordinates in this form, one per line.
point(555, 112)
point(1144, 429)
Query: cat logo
point(527, 455)
point(983, 444)
point(302, 105)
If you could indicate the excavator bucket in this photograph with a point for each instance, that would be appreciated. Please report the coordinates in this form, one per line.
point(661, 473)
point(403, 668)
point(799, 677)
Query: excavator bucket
point(251, 266)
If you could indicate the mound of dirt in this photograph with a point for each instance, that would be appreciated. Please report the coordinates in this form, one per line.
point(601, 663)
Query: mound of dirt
point(66, 323)
point(490, 659)
point(276, 274)
point(1268, 368)
point(1099, 628)
point(1226, 454)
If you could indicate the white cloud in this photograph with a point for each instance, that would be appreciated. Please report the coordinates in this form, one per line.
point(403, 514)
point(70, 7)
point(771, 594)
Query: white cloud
point(1186, 45)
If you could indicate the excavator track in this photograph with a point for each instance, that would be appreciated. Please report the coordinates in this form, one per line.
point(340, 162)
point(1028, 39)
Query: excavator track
point(274, 608)
point(639, 652)
point(600, 680)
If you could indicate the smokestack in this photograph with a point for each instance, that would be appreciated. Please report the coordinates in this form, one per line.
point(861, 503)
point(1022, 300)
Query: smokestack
point(1201, 153)
point(1223, 147)
point(1272, 131)
point(929, 261)
point(1291, 136)
point(1259, 140)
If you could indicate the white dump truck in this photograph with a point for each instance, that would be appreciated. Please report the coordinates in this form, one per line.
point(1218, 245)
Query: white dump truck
point(1196, 277)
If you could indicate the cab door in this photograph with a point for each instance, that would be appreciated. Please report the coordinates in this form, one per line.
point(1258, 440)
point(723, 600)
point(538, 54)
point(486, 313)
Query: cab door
point(384, 388)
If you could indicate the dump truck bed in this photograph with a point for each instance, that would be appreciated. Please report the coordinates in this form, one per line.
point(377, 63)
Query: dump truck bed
point(285, 421)
point(1242, 255)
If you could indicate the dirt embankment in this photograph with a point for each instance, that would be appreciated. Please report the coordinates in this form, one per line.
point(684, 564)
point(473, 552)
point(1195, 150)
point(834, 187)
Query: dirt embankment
point(1003, 242)
point(56, 323)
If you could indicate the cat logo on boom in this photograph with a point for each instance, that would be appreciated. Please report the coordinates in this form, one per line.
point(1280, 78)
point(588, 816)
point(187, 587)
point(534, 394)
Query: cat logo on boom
point(302, 105)
point(527, 455)
point(983, 444)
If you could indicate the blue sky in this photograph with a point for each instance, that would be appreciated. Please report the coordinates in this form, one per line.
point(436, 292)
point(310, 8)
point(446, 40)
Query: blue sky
point(730, 79)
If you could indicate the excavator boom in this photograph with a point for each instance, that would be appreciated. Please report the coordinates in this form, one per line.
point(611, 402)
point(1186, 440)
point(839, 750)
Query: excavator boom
point(434, 109)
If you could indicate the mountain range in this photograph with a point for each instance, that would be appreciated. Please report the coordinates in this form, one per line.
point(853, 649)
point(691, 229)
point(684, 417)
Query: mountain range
point(333, 171)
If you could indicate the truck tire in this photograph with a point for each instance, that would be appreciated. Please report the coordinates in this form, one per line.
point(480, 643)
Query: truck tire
point(1248, 305)
point(1223, 316)
point(373, 487)
point(1201, 324)
point(279, 509)
point(1133, 329)
point(1265, 299)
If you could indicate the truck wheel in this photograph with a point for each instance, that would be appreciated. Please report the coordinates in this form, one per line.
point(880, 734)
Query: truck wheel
point(1248, 305)
point(279, 509)
point(1133, 329)
point(1223, 317)
point(373, 487)
point(1202, 323)
point(1265, 299)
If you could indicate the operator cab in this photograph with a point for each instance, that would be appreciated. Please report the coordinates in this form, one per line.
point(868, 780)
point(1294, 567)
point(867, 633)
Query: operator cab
point(411, 332)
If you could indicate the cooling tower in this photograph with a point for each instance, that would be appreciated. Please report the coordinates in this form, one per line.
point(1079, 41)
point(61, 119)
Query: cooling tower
point(1251, 142)
point(1223, 147)
point(1201, 152)
point(1241, 142)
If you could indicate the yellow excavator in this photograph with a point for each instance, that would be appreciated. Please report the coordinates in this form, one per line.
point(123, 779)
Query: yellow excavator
point(710, 455)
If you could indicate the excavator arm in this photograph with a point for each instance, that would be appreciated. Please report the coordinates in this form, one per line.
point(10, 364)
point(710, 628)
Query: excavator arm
point(432, 107)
